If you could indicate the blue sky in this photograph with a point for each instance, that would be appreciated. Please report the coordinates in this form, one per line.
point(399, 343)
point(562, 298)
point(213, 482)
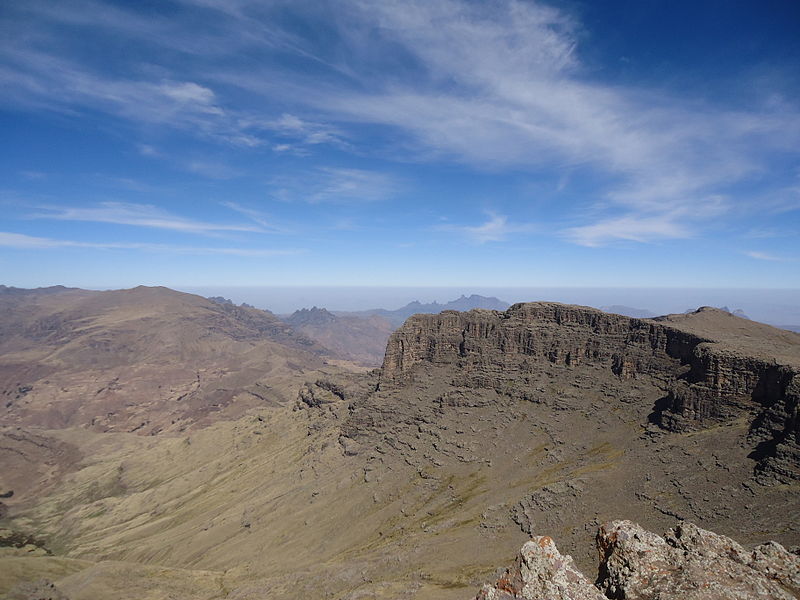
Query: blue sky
point(448, 143)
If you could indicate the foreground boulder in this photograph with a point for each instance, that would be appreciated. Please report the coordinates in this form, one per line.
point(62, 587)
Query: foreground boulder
point(541, 571)
point(689, 563)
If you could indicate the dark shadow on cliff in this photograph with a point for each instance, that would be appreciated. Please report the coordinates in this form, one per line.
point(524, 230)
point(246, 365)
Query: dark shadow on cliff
point(659, 407)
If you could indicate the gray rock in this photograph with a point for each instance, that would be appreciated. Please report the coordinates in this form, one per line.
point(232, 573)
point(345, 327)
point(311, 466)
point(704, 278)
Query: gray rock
point(541, 571)
point(688, 563)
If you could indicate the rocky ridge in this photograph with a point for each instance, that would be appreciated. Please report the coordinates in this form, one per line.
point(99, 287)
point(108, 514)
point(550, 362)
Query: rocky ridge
point(142, 360)
point(706, 381)
point(360, 339)
point(688, 563)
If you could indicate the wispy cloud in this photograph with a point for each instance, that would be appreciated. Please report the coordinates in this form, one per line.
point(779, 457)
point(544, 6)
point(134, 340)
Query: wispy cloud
point(634, 227)
point(137, 215)
point(502, 87)
point(767, 256)
point(211, 169)
point(148, 150)
point(296, 135)
point(37, 77)
point(32, 75)
point(497, 86)
point(26, 242)
point(33, 174)
point(336, 185)
point(495, 229)
point(255, 215)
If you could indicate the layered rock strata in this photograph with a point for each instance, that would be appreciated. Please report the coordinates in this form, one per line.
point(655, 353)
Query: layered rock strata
point(688, 563)
point(706, 382)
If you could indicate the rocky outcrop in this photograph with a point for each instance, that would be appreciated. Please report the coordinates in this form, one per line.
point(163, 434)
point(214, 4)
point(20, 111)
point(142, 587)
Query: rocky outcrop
point(312, 316)
point(540, 331)
point(689, 563)
point(541, 571)
point(705, 382)
point(318, 393)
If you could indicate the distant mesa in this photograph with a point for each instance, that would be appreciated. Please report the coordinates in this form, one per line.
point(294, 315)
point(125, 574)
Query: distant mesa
point(628, 311)
point(310, 316)
point(732, 364)
point(737, 312)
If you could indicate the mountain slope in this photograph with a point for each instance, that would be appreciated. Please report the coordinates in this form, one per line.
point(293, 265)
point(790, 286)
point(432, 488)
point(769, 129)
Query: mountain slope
point(358, 339)
point(481, 429)
point(145, 359)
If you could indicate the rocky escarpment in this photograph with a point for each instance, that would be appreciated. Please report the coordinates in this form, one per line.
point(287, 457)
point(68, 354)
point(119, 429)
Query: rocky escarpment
point(688, 563)
point(705, 381)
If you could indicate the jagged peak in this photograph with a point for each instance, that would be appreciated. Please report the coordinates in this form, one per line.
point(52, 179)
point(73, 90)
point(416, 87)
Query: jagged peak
point(313, 315)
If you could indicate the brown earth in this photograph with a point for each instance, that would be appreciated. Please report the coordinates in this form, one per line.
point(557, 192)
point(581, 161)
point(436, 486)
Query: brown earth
point(144, 360)
point(418, 480)
point(361, 340)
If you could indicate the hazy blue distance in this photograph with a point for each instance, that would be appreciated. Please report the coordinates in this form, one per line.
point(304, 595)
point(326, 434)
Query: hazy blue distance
point(778, 307)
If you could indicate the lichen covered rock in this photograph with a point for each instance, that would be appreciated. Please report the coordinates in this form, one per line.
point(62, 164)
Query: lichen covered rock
point(541, 571)
point(688, 563)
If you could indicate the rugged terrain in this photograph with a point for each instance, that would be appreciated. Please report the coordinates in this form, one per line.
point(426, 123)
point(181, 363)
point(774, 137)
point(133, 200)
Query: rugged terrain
point(360, 337)
point(419, 479)
point(464, 303)
point(145, 359)
point(689, 563)
point(361, 340)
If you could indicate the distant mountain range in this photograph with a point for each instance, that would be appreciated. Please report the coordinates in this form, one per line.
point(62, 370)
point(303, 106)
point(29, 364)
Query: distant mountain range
point(360, 339)
point(361, 336)
point(464, 303)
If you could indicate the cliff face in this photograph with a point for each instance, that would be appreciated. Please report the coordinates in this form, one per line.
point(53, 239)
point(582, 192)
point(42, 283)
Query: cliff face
point(557, 333)
point(706, 381)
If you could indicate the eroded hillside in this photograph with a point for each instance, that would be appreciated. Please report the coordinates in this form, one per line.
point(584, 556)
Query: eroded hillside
point(418, 480)
point(145, 359)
